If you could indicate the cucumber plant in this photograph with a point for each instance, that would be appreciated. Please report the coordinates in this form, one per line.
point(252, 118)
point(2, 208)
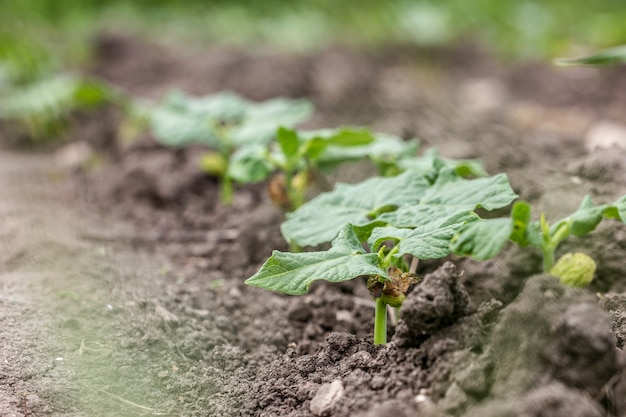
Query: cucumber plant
point(484, 239)
point(300, 157)
point(42, 106)
point(229, 126)
point(374, 226)
point(250, 142)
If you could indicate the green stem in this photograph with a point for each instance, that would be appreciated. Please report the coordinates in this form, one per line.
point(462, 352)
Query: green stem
point(388, 260)
point(380, 322)
point(548, 258)
point(226, 190)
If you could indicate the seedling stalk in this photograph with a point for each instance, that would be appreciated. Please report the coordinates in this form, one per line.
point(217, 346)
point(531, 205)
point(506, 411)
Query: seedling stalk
point(380, 322)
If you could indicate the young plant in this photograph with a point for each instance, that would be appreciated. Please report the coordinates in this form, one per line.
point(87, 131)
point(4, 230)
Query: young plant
point(231, 127)
point(299, 157)
point(43, 106)
point(374, 226)
point(484, 239)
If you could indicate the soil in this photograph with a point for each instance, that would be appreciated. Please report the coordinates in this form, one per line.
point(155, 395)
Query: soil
point(122, 274)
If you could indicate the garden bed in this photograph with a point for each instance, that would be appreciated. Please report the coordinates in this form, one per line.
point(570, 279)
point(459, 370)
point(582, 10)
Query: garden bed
point(140, 307)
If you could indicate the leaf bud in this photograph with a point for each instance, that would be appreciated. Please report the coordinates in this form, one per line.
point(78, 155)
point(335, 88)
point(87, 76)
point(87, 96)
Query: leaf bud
point(214, 163)
point(574, 269)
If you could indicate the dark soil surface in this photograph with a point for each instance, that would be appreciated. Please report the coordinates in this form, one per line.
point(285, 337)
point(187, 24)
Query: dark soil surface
point(121, 284)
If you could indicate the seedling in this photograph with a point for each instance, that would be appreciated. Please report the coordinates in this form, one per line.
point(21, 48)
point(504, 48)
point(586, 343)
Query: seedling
point(374, 226)
point(484, 239)
point(250, 142)
point(43, 106)
point(231, 127)
point(302, 156)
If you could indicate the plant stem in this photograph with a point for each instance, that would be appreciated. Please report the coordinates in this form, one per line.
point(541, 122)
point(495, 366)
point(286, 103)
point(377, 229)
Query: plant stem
point(548, 258)
point(380, 322)
point(226, 190)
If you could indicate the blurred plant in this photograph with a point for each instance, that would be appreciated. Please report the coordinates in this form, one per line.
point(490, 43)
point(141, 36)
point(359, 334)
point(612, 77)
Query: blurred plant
point(611, 56)
point(43, 106)
point(484, 239)
point(233, 128)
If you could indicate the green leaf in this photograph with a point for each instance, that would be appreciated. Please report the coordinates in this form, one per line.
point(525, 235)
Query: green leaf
point(174, 128)
point(608, 56)
point(293, 273)
point(488, 193)
point(428, 241)
point(318, 141)
point(431, 161)
point(617, 210)
point(448, 197)
point(261, 120)
point(342, 136)
point(586, 218)
point(520, 214)
point(383, 150)
point(483, 239)
point(223, 119)
point(288, 141)
point(320, 219)
point(249, 165)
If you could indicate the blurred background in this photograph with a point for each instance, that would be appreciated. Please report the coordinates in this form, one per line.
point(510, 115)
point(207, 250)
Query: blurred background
point(37, 33)
point(46, 46)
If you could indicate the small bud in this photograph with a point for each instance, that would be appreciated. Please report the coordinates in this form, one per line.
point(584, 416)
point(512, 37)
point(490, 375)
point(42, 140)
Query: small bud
point(214, 164)
point(394, 291)
point(574, 269)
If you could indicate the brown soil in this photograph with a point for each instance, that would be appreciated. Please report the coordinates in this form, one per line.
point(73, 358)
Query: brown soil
point(122, 285)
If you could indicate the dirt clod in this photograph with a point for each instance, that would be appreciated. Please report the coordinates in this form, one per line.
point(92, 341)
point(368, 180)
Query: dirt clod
point(437, 302)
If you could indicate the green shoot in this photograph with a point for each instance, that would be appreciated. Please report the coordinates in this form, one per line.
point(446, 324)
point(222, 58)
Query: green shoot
point(484, 239)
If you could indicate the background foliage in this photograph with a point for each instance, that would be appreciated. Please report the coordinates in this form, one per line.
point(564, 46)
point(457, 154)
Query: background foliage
point(522, 29)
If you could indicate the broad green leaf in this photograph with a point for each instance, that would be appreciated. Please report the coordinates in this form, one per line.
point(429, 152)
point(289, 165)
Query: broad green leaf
point(385, 149)
point(483, 239)
point(293, 273)
point(173, 127)
point(249, 165)
point(225, 106)
point(616, 55)
point(260, 121)
point(448, 197)
point(418, 214)
point(488, 193)
point(223, 119)
point(320, 219)
point(428, 241)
